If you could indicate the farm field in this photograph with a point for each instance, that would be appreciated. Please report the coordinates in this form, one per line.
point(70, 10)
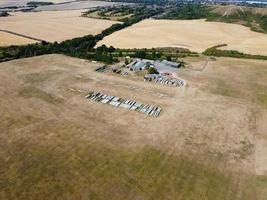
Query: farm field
point(7, 39)
point(53, 25)
point(233, 9)
point(208, 143)
point(196, 35)
point(76, 5)
point(6, 3)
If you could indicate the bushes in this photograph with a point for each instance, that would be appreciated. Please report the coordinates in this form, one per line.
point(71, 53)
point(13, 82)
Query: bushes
point(136, 13)
point(188, 12)
point(213, 51)
point(3, 14)
point(263, 22)
point(256, 22)
point(78, 47)
point(155, 53)
point(146, 2)
point(247, 18)
point(140, 54)
point(81, 47)
point(39, 3)
point(152, 70)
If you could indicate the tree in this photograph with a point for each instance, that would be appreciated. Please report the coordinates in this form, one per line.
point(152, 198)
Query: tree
point(140, 54)
point(111, 49)
point(3, 14)
point(169, 58)
point(102, 48)
point(44, 42)
point(126, 62)
point(153, 70)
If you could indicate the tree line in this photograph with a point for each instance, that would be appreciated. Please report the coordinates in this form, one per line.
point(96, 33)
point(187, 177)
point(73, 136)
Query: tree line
point(39, 3)
point(214, 51)
point(81, 47)
point(197, 11)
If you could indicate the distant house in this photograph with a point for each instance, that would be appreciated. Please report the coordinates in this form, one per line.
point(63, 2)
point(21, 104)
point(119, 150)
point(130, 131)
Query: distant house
point(171, 64)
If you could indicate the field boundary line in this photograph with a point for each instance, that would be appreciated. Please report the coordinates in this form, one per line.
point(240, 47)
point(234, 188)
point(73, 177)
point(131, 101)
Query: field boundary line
point(21, 35)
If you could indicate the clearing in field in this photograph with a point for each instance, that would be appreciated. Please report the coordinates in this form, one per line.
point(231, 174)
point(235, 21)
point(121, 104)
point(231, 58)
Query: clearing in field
point(7, 39)
point(204, 145)
point(53, 25)
point(196, 35)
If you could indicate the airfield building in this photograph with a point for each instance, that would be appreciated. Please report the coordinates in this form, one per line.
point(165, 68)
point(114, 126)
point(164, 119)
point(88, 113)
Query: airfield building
point(139, 65)
point(171, 64)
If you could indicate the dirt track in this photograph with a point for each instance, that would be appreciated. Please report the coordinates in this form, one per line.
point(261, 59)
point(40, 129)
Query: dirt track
point(20, 35)
point(7, 39)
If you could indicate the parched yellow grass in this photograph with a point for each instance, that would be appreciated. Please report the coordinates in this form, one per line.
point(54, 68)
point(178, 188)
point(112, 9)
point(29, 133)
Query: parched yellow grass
point(7, 39)
point(53, 25)
point(197, 35)
point(4, 3)
point(208, 143)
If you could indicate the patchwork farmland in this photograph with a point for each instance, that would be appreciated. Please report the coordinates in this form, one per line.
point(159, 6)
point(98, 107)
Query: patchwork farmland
point(53, 26)
point(204, 141)
point(82, 120)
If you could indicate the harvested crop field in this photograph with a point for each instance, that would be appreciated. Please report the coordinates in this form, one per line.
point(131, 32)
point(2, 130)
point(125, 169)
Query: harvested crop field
point(204, 145)
point(196, 35)
point(10, 3)
point(7, 39)
point(53, 25)
point(74, 5)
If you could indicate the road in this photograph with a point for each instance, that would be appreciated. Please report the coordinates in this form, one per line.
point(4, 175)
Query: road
point(203, 67)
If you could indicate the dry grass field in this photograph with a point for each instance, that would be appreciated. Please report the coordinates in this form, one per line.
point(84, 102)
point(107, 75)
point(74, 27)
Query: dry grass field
point(53, 25)
point(6, 3)
point(7, 39)
point(234, 9)
point(209, 142)
point(196, 35)
point(75, 5)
